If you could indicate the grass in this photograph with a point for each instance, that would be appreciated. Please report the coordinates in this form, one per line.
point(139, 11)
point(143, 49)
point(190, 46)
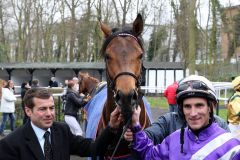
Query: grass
point(161, 102)
point(223, 113)
point(158, 102)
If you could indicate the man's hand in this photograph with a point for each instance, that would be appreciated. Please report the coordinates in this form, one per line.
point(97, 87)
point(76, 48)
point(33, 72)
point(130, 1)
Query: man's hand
point(128, 135)
point(115, 118)
point(86, 98)
point(135, 116)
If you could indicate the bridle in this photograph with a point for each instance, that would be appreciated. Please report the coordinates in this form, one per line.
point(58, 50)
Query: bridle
point(111, 82)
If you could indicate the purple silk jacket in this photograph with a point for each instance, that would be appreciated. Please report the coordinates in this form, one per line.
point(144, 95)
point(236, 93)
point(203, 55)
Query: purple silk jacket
point(212, 143)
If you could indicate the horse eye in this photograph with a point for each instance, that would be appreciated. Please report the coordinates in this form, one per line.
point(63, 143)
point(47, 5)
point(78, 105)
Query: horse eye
point(107, 57)
point(140, 56)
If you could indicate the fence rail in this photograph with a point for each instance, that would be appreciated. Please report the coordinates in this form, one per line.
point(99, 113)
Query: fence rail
point(222, 91)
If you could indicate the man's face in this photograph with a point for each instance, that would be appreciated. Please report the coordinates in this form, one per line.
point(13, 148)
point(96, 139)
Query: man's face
point(197, 112)
point(43, 112)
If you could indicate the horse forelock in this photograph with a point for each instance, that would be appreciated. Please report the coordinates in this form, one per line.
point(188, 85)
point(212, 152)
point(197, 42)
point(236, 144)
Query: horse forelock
point(119, 32)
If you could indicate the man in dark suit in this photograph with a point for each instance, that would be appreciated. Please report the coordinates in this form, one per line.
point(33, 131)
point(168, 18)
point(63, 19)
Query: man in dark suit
point(29, 142)
point(53, 82)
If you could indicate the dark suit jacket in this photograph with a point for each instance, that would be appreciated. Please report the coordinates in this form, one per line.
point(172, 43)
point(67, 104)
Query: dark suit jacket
point(23, 144)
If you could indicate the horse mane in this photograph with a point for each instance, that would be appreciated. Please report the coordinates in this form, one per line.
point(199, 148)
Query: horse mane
point(85, 74)
point(94, 79)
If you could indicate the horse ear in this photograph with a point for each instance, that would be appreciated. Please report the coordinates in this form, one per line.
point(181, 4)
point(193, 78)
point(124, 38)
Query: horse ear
point(138, 25)
point(105, 29)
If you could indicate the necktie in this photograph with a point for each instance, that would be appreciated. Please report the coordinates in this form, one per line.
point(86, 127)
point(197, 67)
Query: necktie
point(47, 146)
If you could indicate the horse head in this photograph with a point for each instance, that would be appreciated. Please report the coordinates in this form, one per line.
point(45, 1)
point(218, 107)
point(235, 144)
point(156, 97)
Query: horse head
point(123, 53)
point(87, 84)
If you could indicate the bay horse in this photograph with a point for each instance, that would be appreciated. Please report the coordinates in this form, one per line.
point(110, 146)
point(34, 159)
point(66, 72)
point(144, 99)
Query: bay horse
point(89, 85)
point(123, 54)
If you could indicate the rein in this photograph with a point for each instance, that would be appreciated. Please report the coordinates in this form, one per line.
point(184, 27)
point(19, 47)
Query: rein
point(125, 127)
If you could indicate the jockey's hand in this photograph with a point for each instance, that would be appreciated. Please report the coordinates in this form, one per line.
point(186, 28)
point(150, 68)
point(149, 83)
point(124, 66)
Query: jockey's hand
point(115, 118)
point(135, 116)
point(128, 135)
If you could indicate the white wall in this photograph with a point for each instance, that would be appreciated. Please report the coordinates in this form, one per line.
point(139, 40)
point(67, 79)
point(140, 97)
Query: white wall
point(179, 75)
point(151, 79)
point(169, 77)
point(164, 78)
point(160, 79)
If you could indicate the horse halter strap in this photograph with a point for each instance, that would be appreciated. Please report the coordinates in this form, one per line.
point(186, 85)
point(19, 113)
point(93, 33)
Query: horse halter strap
point(138, 79)
point(107, 41)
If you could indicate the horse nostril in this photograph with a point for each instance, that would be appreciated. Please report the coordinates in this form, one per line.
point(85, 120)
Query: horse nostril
point(133, 97)
point(127, 102)
point(118, 97)
point(134, 94)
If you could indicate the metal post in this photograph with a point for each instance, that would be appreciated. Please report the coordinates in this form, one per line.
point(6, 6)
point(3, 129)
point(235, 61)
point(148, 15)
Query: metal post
point(217, 110)
point(59, 108)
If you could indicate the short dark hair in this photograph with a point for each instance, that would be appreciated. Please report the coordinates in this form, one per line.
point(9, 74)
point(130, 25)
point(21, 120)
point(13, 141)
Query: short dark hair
point(35, 82)
point(41, 93)
point(24, 84)
point(70, 84)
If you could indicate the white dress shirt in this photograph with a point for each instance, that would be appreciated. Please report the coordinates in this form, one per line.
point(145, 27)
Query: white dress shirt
point(40, 135)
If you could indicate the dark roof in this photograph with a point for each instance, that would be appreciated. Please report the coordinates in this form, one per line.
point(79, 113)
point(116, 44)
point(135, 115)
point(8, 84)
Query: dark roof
point(163, 65)
point(85, 65)
point(53, 65)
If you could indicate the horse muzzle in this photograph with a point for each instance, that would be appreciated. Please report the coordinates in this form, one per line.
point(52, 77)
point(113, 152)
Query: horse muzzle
point(127, 102)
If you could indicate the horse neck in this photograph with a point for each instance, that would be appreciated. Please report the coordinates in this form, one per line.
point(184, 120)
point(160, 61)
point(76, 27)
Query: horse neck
point(110, 99)
point(108, 107)
point(92, 86)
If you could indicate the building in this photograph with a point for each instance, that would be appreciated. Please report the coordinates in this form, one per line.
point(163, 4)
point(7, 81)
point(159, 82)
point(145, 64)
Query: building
point(154, 74)
point(227, 30)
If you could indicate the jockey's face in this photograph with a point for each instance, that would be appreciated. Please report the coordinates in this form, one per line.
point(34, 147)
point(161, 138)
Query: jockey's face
point(197, 112)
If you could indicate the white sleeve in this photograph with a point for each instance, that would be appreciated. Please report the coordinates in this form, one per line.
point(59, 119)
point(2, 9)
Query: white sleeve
point(8, 95)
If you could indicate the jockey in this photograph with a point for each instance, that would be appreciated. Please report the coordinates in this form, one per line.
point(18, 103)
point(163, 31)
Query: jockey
point(234, 107)
point(201, 139)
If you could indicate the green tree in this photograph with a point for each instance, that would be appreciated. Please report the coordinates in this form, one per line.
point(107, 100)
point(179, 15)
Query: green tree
point(236, 30)
point(4, 53)
point(157, 50)
point(192, 25)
